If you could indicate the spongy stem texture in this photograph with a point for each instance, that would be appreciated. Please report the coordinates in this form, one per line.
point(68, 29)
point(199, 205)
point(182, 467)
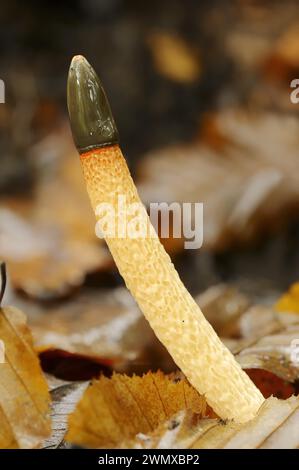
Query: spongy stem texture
point(155, 284)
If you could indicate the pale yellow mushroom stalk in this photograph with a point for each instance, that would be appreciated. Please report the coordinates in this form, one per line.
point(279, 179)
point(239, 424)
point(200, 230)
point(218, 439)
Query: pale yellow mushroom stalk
point(143, 262)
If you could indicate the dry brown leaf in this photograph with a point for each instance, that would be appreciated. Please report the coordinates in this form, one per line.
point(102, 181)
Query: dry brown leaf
point(260, 190)
point(285, 50)
point(114, 410)
point(92, 325)
point(233, 315)
point(41, 262)
point(275, 427)
point(49, 243)
point(101, 327)
point(223, 307)
point(270, 385)
point(24, 397)
point(111, 331)
point(270, 348)
point(259, 321)
point(273, 353)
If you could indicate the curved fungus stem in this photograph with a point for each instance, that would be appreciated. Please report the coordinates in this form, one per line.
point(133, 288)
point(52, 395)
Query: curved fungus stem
point(143, 262)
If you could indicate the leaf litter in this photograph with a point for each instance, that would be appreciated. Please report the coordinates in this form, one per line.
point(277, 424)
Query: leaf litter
point(24, 396)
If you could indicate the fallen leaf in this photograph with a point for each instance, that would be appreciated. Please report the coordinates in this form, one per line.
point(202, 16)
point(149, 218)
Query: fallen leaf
point(271, 385)
point(24, 397)
point(107, 328)
point(260, 320)
point(289, 302)
point(223, 306)
point(114, 410)
point(261, 338)
point(73, 367)
point(41, 262)
point(275, 427)
point(273, 352)
point(260, 193)
point(92, 324)
point(50, 247)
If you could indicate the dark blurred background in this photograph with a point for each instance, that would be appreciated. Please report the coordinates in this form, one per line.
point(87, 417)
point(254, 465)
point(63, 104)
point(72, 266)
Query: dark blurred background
point(121, 39)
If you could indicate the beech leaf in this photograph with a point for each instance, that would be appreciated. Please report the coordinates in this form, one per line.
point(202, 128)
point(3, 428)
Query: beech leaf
point(114, 410)
point(24, 396)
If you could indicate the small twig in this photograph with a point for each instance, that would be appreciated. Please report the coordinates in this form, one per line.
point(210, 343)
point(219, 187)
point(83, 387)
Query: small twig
point(3, 280)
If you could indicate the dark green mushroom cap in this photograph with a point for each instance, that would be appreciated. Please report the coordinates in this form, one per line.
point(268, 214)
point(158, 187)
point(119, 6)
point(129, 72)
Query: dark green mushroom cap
point(91, 119)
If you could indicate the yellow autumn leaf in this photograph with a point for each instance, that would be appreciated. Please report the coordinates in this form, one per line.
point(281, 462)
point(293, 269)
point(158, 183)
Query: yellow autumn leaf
point(24, 396)
point(116, 409)
point(289, 302)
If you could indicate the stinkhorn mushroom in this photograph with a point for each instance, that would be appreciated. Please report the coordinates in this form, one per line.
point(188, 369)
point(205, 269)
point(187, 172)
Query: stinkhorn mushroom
point(143, 262)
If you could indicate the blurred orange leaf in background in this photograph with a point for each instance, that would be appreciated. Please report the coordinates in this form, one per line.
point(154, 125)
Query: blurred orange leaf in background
point(289, 302)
